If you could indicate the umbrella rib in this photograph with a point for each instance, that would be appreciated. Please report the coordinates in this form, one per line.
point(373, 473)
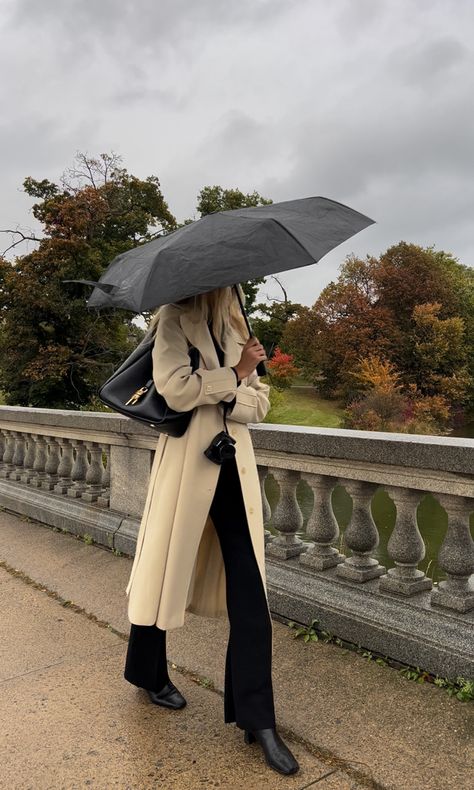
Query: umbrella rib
point(294, 238)
point(281, 226)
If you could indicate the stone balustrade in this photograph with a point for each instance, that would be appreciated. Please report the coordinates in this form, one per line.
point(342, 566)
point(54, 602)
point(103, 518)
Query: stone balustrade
point(88, 473)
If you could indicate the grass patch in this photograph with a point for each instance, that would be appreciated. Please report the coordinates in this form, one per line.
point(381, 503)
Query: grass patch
point(302, 406)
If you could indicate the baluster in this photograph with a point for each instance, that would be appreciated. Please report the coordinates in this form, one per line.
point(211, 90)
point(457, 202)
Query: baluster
point(3, 447)
point(39, 466)
point(78, 474)
point(361, 535)
point(267, 513)
point(18, 456)
point(94, 473)
point(65, 466)
point(405, 546)
point(104, 498)
point(322, 527)
point(287, 517)
point(52, 463)
point(29, 460)
point(8, 467)
point(106, 470)
point(456, 556)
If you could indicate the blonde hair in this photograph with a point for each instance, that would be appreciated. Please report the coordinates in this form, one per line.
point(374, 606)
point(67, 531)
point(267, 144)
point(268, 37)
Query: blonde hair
point(220, 306)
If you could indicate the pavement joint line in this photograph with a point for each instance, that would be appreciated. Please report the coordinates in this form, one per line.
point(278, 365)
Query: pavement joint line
point(315, 781)
point(324, 755)
point(17, 573)
point(58, 663)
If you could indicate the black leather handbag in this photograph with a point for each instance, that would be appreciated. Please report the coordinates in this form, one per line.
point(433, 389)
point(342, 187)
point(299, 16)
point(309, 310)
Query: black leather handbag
point(131, 390)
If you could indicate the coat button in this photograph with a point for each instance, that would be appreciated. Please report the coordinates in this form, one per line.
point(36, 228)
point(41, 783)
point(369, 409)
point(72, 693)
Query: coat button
point(250, 509)
point(243, 470)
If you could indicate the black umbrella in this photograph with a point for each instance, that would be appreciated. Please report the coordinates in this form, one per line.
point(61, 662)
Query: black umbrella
point(225, 248)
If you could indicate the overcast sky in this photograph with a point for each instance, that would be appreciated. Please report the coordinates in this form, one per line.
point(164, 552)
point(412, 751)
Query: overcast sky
point(368, 102)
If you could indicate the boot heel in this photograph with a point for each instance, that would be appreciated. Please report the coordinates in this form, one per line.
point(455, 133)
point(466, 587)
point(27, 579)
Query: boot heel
point(249, 737)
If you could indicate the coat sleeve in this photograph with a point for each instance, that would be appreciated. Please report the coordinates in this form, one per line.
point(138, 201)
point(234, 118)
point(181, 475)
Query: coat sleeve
point(252, 402)
point(173, 376)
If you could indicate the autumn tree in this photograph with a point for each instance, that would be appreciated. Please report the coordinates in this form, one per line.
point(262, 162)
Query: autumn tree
point(386, 405)
point(282, 369)
point(408, 276)
point(345, 324)
point(413, 308)
point(54, 352)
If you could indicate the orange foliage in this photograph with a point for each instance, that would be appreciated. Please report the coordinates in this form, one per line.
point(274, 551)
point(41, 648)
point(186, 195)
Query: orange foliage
point(377, 373)
point(282, 369)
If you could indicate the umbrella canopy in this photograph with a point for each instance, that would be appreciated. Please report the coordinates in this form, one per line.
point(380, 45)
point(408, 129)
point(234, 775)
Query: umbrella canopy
point(225, 248)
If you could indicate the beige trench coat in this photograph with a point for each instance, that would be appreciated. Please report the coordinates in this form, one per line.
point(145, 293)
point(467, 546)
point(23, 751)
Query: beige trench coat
point(178, 564)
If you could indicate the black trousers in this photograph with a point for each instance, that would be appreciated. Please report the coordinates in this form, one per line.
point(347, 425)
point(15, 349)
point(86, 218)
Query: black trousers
point(248, 691)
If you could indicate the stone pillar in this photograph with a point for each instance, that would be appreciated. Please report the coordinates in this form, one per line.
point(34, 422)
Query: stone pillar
point(94, 473)
point(130, 469)
point(104, 499)
point(405, 546)
point(18, 456)
point(78, 474)
point(361, 535)
point(65, 466)
point(39, 466)
point(287, 517)
point(7, 467)
point(456, 556)
point(52, 463)
point(29, 461)
point(3, 447)
point(322, 527)
point(267, 513)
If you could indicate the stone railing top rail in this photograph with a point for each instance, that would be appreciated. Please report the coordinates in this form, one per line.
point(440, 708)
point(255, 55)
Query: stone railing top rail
point(444, 453)
point(449, 454)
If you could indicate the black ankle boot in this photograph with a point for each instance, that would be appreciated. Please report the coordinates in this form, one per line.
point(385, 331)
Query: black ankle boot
point(277, 753)
point(168, 697)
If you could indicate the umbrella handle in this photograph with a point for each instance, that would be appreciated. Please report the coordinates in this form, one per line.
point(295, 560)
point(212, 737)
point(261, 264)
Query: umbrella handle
point(261, 369)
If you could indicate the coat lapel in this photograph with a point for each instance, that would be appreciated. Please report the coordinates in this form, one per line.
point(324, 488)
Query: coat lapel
point(199, 336)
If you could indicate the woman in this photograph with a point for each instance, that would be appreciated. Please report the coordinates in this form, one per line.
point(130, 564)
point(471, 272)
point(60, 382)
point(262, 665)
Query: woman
point(200, 546)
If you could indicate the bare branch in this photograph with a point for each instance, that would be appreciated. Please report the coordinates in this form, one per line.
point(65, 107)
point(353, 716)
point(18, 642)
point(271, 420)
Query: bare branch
point(151, 236)
point(274, 277)
point(95, 171)
point(23, 238)
point(273, 299)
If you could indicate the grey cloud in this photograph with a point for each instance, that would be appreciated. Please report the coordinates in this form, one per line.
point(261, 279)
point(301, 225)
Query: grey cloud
point(367, 102)
point(143, 21)
point(429, 63)
point(352, 18)
point(166, 97)
point(240, 136)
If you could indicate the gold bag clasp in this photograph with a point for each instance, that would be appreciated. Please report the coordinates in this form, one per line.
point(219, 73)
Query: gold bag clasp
point(136, 396)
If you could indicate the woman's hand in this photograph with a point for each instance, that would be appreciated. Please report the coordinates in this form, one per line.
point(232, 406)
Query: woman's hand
point(252, 353)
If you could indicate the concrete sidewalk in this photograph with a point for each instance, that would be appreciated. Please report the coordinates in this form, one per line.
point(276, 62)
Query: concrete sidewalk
point(70, 720)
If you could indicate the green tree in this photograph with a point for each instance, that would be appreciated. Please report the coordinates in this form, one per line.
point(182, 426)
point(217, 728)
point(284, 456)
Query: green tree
point(276, 314)
point(216, 198)
point(55, 352)
point(440, 354)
